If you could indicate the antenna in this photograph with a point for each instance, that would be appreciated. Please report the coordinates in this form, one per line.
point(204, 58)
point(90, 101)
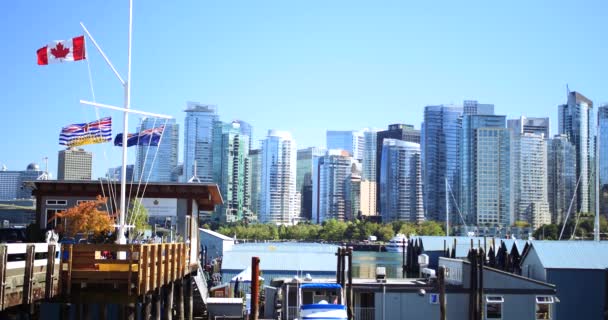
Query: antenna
point(194, 177)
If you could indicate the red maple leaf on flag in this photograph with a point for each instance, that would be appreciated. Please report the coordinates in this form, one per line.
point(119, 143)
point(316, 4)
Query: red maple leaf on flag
point(59, 51)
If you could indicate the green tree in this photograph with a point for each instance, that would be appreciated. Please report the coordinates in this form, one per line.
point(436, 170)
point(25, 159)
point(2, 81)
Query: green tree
point(385, 232)
point(138, 217)
point(430, 228)
point(408, 229)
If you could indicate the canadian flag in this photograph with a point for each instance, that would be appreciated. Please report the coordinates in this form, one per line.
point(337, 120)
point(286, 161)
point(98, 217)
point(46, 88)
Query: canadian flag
point(62, 50)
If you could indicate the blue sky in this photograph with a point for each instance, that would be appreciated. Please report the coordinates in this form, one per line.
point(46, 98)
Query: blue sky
point(302, 66)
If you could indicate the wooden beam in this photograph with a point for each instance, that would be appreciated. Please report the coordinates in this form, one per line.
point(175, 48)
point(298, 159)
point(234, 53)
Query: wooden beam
point(50, 272)
point(3, 257)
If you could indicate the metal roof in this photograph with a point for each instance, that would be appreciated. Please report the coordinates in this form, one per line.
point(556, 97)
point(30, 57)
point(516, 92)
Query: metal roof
point(305, 257)
point(571, 254)
point(215, 234)
point(463, 244)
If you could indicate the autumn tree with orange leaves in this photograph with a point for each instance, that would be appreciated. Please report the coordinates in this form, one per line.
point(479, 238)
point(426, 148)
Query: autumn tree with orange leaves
point(86, 218)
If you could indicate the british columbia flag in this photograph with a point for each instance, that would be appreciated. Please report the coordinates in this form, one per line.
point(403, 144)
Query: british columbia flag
point(80, 134)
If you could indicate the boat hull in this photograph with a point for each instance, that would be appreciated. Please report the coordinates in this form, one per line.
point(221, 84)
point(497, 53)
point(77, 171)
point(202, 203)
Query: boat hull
point(323, 312)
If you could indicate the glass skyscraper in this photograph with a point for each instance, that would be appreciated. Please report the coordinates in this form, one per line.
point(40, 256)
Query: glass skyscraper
point(231, 166)
point(441, 132)
point(602, 133)
point(278, 203)
point(368, 175)
point(255, 178)
point(332, 186)
point(351, 141)
point(401, 181)
point(304, 174)
point(561, 177)
point(156, 164)
point(198, 141)
point(576, 121)
point(484, 170)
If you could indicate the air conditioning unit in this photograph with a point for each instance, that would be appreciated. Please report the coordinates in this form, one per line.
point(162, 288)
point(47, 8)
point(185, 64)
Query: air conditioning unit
point(381, 274)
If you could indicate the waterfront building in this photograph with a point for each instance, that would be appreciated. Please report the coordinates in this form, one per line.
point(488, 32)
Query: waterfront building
point(255, 178)
point(471, 107)
point(576, 121)
point(75, 164)
point(602, 133)
point(529, 177)
point(198, 141)
point(368, 174)
point(157, 163)
point(403, 132)
point(441, 141)
point(351, 141)
point(11, 182)
point(331, 187)
point(306, 158)
point(353, 190)
point(484, 170)
point(231, 166)
point(539, 126)
point(561, 177)
point(278, 183)
point(115, 173)
point(401, 182)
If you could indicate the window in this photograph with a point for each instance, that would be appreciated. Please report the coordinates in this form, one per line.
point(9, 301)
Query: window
point(494, 307)
point(50, 213)
point(543, 307)
point(56, 202)
point(81, 201)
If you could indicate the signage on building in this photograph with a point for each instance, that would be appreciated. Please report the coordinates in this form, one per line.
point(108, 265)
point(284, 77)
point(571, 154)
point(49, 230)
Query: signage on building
point(160, 207)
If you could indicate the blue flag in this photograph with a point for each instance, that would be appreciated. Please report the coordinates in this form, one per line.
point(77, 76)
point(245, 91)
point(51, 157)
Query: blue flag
point(149, 137)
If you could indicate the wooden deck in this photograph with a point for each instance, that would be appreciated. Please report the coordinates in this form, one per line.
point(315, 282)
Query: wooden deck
point(132, 269)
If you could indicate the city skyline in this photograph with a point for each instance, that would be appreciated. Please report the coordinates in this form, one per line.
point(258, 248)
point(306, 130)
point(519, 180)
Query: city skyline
point(285, 71)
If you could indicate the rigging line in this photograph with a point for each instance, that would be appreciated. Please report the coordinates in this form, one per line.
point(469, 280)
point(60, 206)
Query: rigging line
point(111, 191)
point(143, 167)
point(570, 207)
point(154, 159)
point(457, 208)
point(578, 216)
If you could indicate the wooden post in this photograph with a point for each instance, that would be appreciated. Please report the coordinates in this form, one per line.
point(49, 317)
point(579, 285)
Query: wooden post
point(255, 287)
point(146, 307)
point(343, 271)
point(157, 303)
point(442, 305)
point(482, 258)
point(349, 302)
point(28, 280)
point(103, 311)
point(339, 266)
point(403, 259)
point(168, 301)
point(50, 273)
point(189, 294)
point(130, 311)
point(179, 284)
point(3, 257)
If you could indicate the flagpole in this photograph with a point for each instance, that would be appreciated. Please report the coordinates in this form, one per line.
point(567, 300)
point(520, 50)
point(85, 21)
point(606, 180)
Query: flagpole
point(121, 239)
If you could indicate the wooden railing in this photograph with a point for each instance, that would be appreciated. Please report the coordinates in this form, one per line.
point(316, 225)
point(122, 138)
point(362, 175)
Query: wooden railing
point(137, 268)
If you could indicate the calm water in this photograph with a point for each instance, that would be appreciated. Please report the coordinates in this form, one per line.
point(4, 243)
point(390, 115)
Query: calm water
point(365, 263)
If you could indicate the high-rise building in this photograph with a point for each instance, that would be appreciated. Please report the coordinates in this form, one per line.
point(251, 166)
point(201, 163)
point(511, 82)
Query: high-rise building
point(401, 181)
point(353, 189)
point(471, 107)
point(576, 121)
point(538, 126)
point(442, 127)
point(75, 164)
point(484, 170)
point(403, 132)
point(255, 178)
point(156, 164)
point(12, 182)
point(114, 174)
point(529, 175)
point(368, 174)
point(304, 173)
point(278, 185)
point(231, 166)
point(602, 134)
point(331, 186)
point(561, 177)
point(198, 141)
point(351, 141)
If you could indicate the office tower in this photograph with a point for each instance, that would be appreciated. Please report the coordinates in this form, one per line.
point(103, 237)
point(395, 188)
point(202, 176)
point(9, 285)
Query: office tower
point(401, 181)
point(278, 185)
point(404, 132)
point(602, 134)
point(12, 182)
point(351, 141)
point(561, 177)
point(114, 174)
point(198, 141)
point(529, 172)
point(331, 186)
point(156, 164)
point(255, 177)
point(231, 170)
point(442, 126)
point(577, 123)
point(353, 190)
point(368, 174)
point(304, 173)
point(471, 107)
point(75, 164)
point(538, 126)
point(484, 170)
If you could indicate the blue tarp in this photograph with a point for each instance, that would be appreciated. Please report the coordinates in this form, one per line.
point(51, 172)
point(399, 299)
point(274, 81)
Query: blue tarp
point(320, 286)
point(323, 306)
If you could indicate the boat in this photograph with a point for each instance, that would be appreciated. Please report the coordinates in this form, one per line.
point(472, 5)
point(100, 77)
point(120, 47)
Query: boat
point(321, 301)
point(396, 244)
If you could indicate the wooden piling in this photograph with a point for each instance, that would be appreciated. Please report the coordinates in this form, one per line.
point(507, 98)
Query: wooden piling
point(28, 280)
point(168, 293)
point(441, 280)
point(3, 258)
point(50, 272)
point(179, 286)
point(255, 287)
point(189, 296)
